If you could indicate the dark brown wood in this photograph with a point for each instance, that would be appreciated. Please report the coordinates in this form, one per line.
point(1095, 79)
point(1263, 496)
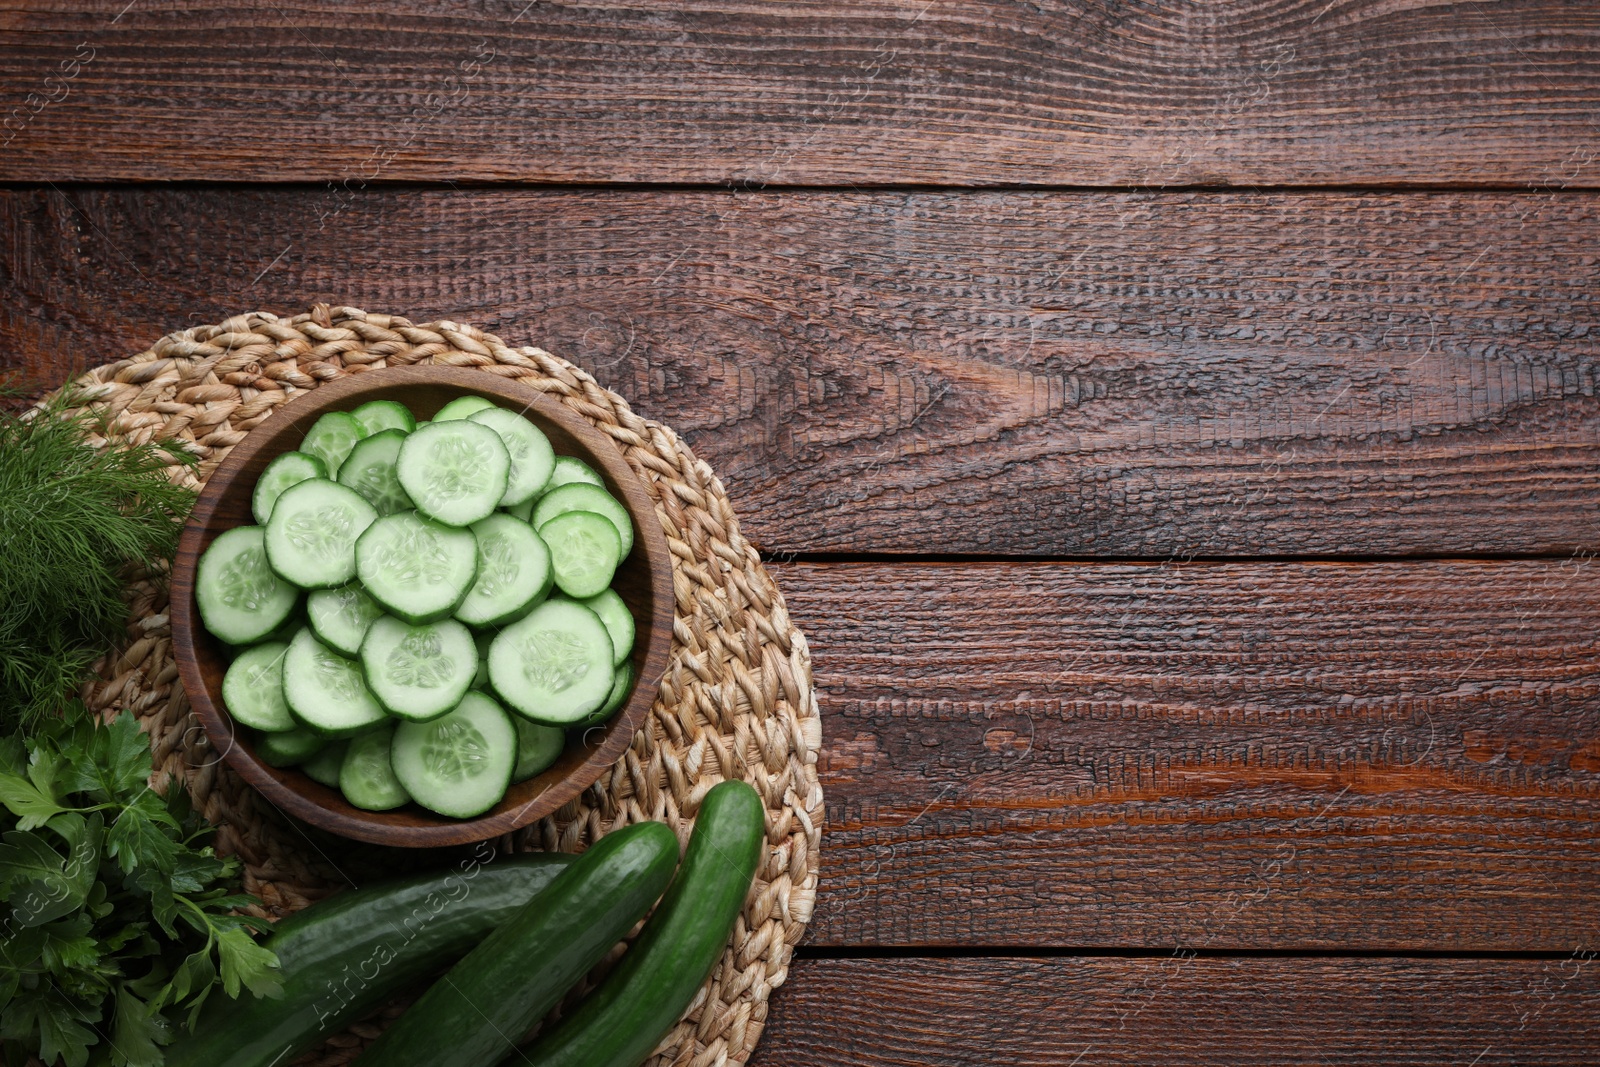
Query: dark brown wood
point(852, 91)
point(644, 580)
point(1397, 756)
point(1069, 374)
point(1178, 1010)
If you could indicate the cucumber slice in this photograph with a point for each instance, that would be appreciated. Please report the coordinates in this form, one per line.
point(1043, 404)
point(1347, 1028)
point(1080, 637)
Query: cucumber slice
point(331, 438)
point(554, 665)
point(578, 496)
point(291, 468)
point(459, 765)
point(419, 570)
point(241, 598)
point(537, 748)
point(456, 471)
point(522, 511)
point(311, 538)
point(480, 680)
point(613, 611)
point(584, 552)
point(252, 690)
point(375, 416)
point(340, 617)
point(325, 691)
point(569, 469)
point(418, 672)
point(325, 766)
point(514, 572)
point(291, 626)
point(532, 458)
point(461, 407)
point(370, 471)
point(620, 690)
point(365, 777)
point(290, 748)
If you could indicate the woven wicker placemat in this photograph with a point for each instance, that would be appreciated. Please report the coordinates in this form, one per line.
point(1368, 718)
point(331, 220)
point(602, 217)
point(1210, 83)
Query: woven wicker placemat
point(736, 700)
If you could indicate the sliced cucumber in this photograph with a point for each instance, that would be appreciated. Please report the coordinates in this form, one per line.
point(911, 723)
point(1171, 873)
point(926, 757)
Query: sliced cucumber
point(584, 552)
point(340, 617)
point(480, 680)
point(613, 611)
point(578, 496)
point(621, 689)
point(291, 468)
point(461, 407)
point(553, 665)
point(311, 537)
point(522, 511)
point(455, 471)
point(365, 777)
point(241, 598)
point(418, 672)
point(537, 748)
point(458, 765)
point(290, 748)
point(252, 690)
point(569, 469)
point(325, 766)
point(331, 438)
point(375, 416)
point(532, 458)
point(325, 691)
point(370, 471)
point(514, 572)
point(419, 570)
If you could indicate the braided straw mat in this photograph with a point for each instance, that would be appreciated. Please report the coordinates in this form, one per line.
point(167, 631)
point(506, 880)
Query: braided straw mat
point(736, 700)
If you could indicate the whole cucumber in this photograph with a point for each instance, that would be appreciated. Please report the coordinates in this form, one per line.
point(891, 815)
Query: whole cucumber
point(345, 956)
point(482, 1007)
point(621, 1021)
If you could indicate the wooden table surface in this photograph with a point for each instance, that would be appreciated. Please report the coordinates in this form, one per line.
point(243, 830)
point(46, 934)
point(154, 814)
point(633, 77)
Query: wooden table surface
point(1173, 424)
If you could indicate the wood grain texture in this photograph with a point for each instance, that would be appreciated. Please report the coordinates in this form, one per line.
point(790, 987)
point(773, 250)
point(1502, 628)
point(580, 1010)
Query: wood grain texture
point(1182, 1011)
point(1168, 375)
point(827, 92)
point(1332, 756)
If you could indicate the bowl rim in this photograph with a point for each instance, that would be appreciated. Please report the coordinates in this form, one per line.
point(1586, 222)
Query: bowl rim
point(274, 784)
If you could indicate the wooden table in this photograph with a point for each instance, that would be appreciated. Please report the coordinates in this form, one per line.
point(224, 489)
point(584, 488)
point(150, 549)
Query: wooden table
point(1174, 424)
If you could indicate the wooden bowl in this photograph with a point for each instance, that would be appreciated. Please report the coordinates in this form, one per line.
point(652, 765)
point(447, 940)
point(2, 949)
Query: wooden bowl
point(644, 580)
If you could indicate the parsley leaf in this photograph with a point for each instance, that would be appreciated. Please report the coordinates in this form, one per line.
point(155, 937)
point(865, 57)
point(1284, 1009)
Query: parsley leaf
point(24, 800)
point(38, 880)
point(244, 961)
point(140, 836)
point(116, 916)
point(139, 1030)
point(117, 767)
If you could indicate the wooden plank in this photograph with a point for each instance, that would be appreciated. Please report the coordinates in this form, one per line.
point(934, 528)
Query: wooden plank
point(1184, 1011)
point(1397, 756)
point(827, 92)
point(1162, 376)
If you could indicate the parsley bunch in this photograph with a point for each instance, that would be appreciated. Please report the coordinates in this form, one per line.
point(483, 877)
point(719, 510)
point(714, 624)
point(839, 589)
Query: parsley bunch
point(113, 911)
point(74, 512)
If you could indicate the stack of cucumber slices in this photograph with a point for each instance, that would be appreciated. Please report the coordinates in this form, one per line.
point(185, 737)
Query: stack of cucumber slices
point(405, 585)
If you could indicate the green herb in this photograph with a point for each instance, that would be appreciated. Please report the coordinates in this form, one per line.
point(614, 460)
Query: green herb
point(114, 914)
point(73, 517)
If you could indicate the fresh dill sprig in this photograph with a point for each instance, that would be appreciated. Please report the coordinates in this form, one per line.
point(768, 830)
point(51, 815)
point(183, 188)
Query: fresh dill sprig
point(73, 519)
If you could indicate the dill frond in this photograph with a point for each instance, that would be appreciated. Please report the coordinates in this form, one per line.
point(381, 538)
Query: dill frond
point(73, 519)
